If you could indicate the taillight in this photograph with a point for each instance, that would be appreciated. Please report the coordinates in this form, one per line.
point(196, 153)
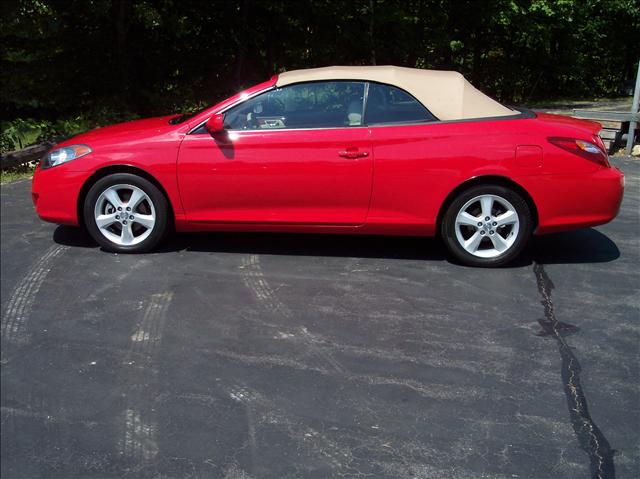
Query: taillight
point(594, 152)
point(600, 143)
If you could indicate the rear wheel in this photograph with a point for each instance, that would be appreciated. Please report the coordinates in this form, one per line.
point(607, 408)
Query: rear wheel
point(487, 225)
point(125, 213)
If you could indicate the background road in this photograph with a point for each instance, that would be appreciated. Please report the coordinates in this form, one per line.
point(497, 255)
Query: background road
point(258, 356)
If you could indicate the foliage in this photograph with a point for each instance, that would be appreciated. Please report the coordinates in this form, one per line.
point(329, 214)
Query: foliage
point(74, 64)
point(18, 173)
point(21, 132)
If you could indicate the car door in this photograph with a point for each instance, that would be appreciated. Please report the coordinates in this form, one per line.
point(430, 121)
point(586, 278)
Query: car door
point(298, 154)
point(420, 160)
point(407, 156)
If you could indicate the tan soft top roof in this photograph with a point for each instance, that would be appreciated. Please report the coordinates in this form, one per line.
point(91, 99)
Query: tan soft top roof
point(445, 93)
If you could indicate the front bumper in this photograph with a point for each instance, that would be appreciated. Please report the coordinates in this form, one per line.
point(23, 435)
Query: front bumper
point(55, 192)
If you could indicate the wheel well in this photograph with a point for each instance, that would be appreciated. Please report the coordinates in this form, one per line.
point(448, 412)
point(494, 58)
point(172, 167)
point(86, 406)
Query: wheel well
point(109, 170)
point(488, 180)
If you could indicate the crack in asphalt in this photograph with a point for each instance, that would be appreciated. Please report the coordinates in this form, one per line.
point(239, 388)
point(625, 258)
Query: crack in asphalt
point(591, 439)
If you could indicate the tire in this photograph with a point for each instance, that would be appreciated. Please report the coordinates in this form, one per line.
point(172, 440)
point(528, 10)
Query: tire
point(137, 230)
point(475, 241)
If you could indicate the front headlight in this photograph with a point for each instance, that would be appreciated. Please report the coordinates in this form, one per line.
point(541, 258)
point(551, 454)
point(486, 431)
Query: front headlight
point(66, 153)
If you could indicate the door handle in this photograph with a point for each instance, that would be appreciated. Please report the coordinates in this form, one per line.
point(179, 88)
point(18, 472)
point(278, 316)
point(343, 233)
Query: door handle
point(353, 154)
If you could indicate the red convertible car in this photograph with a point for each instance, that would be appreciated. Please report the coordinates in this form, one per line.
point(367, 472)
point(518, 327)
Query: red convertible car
point(373, 150)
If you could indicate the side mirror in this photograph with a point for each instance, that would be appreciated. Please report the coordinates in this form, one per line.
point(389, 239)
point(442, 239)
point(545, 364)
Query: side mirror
point(215, 124)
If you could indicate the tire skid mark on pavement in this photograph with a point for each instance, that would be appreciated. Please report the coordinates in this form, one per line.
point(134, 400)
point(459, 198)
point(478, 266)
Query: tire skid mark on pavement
point(255, 280)
point(258, 284)
point(148, 334)
point(340, 451)
point(118, 280)
point(233, 471)
point(13, 412)
point(269, 414)
point(262, 410)
point(41, 413)
point(140, 437)
point(437, 391)
point(139, 441)
point(244, 397)
point(588, 434)
point(20, 304)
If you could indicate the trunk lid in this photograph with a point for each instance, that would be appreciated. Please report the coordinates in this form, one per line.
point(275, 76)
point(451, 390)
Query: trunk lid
point(593, 127)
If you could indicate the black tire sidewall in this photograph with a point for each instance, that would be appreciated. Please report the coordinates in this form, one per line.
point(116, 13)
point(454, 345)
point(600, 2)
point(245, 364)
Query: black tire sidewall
point(159, 203)
point(448, 232)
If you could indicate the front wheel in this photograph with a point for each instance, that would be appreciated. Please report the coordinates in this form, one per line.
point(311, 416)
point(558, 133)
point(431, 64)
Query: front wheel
point(125, 213)
point(487, 225)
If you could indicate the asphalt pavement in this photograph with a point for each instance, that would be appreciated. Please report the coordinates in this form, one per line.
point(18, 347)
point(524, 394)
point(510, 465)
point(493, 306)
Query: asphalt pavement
point(276, 356)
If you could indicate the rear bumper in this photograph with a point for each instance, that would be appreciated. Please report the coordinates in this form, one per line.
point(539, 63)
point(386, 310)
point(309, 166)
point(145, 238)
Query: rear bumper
point(55, 191)
point(567, 202)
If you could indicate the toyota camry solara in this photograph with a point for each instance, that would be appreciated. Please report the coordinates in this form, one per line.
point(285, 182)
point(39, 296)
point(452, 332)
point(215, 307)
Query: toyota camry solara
point(372, 150)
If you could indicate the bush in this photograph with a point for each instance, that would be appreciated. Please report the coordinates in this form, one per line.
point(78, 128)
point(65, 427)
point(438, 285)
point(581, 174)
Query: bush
point(22, 132)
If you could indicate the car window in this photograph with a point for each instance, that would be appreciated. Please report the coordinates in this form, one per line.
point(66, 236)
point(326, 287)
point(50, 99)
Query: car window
point(303, 105)
point(387, 104)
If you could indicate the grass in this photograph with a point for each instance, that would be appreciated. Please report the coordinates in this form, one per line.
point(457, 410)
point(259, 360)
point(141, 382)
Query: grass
point(15, 174)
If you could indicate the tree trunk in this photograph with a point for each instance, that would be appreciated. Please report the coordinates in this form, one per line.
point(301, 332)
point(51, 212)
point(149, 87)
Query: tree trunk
point(371, 33)
point(241, 44)
point(122, 20)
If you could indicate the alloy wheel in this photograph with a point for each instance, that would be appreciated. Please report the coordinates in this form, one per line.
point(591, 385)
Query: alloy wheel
point(125, 214)
point(487, 226)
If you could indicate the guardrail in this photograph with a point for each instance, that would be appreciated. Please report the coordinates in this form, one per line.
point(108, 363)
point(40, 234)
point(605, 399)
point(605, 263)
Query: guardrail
point(619, 116)
point(613, 136)
point(628, 120)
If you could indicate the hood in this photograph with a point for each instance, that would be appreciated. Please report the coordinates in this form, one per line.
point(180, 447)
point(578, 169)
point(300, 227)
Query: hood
point(124, 132)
